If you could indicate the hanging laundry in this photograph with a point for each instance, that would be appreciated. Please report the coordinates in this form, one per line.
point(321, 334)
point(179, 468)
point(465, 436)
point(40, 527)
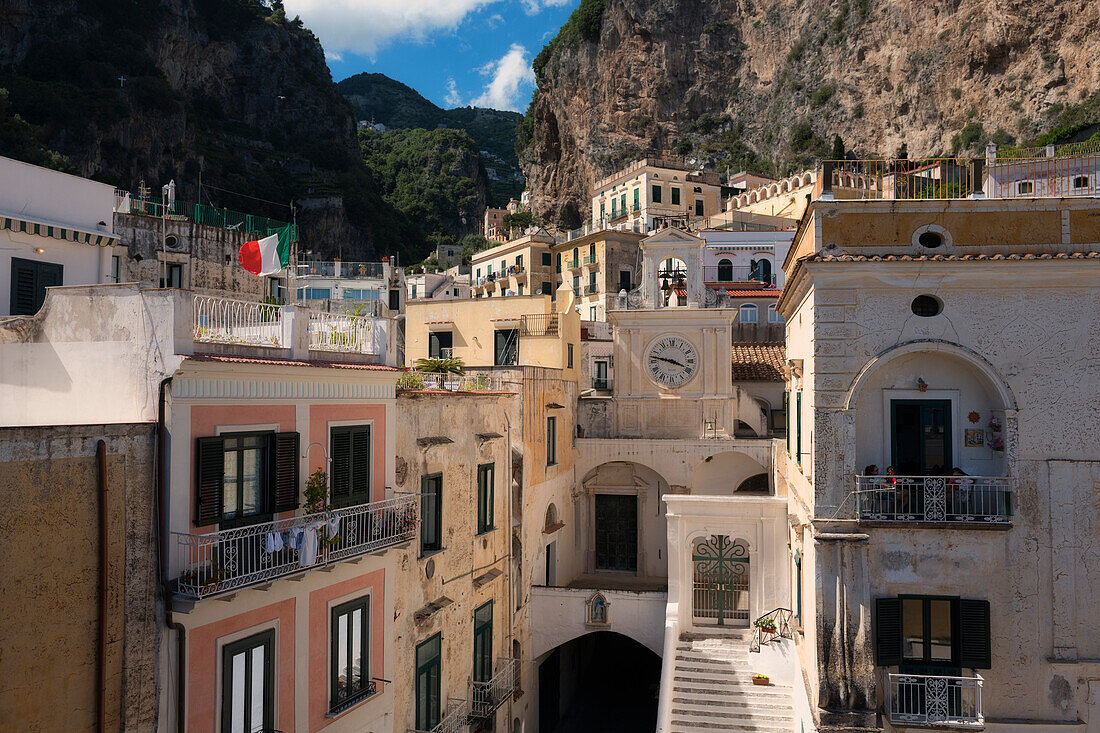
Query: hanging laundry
point(307, 546)
point(274, 542)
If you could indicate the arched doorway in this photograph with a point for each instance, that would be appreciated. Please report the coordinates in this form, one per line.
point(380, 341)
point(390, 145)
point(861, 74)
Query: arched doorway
point(601, 681)
point(725, 270)
point(720, 581)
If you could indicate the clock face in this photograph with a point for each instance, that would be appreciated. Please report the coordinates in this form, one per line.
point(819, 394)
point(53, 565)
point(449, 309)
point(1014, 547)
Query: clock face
point(672, 361)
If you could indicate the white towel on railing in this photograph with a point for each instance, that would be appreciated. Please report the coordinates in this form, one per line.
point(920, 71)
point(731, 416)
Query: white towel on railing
point(307, 549)
point(333, 527)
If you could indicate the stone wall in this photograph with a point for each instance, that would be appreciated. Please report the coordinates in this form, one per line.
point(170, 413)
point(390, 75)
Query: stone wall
point(49, 539)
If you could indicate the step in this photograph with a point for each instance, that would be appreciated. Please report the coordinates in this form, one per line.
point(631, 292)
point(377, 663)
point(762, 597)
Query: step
point(707, 677)
point(717, 658)
point(716, 672)
point(732, 688)
point(685, 726)
point(772, 717)
point(779, 705)
point(741, 635)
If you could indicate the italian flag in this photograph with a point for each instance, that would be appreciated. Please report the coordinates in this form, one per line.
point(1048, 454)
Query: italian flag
point(268, 255)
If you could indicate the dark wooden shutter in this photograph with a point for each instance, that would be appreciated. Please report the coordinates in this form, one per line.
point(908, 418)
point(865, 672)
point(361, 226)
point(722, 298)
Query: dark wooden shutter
point(210, 468)
point(23, 276)
point(340, 480)
point(974, 649)
point(284, 471)
point(887, 631)
point(360, 462)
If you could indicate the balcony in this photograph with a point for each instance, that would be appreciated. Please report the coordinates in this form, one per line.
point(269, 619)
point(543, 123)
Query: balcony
point(349, 270)
point(572, 263)
point(935, 701)
point(735, 274)
point(336, 332)
point(489, 696)
point(539, 324)
point(981, 500)
point(415, 381)
point(601, 383)
point(216, 563)
point(591, 289)
point(588, 260)
point(455, 719)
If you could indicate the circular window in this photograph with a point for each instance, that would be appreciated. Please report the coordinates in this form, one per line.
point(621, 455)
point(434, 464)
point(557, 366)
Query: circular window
point(171, 241)
point(930, 239)
point(926, 306)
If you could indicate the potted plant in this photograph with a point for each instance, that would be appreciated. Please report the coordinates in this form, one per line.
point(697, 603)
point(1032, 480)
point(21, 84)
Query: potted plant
point(316, 492)
point(766, 625)
point(761, 679)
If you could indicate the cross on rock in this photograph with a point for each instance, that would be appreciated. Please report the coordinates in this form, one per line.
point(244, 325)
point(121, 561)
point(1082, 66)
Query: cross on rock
point(122, 81)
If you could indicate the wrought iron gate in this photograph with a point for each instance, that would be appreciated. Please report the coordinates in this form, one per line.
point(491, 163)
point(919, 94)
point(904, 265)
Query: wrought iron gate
point(720, 570)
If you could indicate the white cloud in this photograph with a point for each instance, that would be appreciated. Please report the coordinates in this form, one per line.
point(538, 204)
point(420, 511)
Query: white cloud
point(453, 98)
point(364, 26)
point(494, 20)
point(512, 76)
point(531, 7)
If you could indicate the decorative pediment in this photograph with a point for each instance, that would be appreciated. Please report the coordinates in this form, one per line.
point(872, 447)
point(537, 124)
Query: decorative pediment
point(670, 235)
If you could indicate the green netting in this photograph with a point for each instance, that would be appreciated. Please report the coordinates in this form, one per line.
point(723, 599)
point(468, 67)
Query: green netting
point(259, 226)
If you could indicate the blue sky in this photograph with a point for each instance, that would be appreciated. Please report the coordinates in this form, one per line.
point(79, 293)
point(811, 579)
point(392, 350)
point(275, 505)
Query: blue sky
point(454, 52)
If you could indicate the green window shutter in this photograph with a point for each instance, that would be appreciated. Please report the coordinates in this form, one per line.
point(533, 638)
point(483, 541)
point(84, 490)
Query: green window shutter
point(486, 481)
point(360, 463)
point(787, 418)
point(340, 456)
point(210, 469)
point(284, 471)
point(675, 197)
point(974, 647)
point(887, 632)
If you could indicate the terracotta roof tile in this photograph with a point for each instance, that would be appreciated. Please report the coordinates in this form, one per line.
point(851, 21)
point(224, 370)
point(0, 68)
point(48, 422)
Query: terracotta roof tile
point(755, 361)
point(753, 293)
point(229, 359)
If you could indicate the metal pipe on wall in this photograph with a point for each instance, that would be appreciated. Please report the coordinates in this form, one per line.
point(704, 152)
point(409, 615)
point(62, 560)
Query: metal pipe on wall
point(101, 644)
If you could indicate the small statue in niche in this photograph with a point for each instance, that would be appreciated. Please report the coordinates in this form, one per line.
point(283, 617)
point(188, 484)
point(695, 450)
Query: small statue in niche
point(598, 608)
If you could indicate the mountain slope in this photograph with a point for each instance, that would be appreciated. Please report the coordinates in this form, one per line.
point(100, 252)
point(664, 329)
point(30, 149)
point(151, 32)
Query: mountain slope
point(766, 85)
point(381, 100)
point(149, 90)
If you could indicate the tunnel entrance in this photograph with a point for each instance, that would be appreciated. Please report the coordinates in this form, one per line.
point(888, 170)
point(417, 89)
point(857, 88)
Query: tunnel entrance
point(602, 682)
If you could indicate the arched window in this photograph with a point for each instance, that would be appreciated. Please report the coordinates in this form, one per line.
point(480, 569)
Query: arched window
point(551, 516)
point(774, 316)
point(748, 313)
point(725, 270)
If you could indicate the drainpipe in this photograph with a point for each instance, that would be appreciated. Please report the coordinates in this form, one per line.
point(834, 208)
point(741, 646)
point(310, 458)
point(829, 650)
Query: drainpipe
point(162, 554)
point(101, 663)
point(511, 565)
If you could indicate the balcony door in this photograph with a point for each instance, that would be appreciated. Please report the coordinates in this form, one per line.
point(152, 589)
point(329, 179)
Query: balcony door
point(440, 344)
point(617, 532)
point(921, 437)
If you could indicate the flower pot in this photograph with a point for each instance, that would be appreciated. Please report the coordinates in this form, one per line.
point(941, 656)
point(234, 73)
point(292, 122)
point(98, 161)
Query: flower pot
point(761, 681)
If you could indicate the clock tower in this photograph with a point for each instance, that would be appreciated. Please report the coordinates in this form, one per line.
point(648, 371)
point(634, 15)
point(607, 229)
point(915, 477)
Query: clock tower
point(672, 371)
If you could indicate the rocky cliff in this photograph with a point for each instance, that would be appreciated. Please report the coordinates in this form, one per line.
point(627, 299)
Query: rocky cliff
point(768, 85)
point(232, 90)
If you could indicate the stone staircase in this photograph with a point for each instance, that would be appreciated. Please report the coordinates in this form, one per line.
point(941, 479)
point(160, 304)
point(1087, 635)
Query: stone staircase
point(713, 689)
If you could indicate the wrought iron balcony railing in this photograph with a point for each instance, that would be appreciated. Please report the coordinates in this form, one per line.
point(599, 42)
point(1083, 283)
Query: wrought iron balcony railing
point(602, 383)
point(336, 332)
point(933, 700)
point(455, 719)
point(589, 260)
point(948, 499)
point(539, 324)
point(488, 696)
point(226, 321)
point(218, 562)
point(773, 624)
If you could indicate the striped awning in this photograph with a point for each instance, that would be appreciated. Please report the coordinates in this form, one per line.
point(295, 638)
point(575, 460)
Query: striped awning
point(56, 231)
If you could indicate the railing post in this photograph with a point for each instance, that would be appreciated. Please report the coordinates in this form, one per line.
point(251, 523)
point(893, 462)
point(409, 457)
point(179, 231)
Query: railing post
point(296, 332)
point(827, 180)
point(976, 182)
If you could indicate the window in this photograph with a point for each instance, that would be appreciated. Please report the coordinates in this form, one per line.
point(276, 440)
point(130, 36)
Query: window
point(546, 258)
point(624, 280)
point(486, 481)
point(173, 276)
point(504, 267)
point(545, 289)
point(591, 282)
point(519, 262)
point(926, 306)
point(675, 196)
point(351, 681)
point(569, 360)
point(774, 316)
point(116, 269)
point(592, 313)
point(506, 346)
point(557, 267)
point(429, 667)
point(366, 293)
point(748, 313)
point(248, 684)
point(930, 239)
point(1025, 187)
point(599, 377)
point(275, 289)
point(551, 440)
point(483, 645)
point(413, 295)
point(431, 513)
point(656, 193)
point(592, 252)
point(350, 449)
point(921, 437)
point(603, 212)
point(314, 293)
point(395, 299)
point(787, 411)
point(478, 276)
point(637, 201)
point(798, 426)
point(622, 202)
point(798, 585)
point(519, 289)
point(932, 634)
point(698, 207)
point(725, 270)
point(614, 207)
point(1080, 181)
point(29, 280)
point(616, 532)
point(244, 476)
point(577, 284)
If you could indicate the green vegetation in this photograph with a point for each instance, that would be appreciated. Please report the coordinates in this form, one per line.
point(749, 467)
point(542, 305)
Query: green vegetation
point(584, 24)
point(823, 94)
point(967, 138)
point(433, 178)
point(838, 152)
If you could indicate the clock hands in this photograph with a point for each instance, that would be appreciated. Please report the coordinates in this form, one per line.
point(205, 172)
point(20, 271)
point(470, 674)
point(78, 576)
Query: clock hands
point(670, 361)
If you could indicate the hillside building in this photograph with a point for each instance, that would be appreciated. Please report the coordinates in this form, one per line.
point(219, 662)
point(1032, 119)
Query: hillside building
point(518, 267)
point(654, 192)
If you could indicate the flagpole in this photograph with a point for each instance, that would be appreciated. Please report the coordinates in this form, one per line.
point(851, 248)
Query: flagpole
point(292, 274)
